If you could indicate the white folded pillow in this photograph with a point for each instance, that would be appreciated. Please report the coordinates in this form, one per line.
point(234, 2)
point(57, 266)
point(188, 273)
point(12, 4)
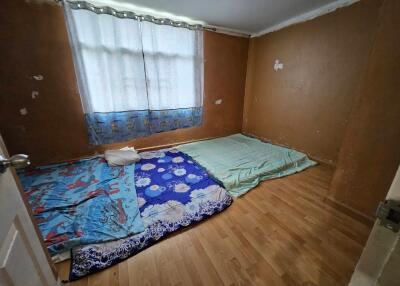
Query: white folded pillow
point(121, 157)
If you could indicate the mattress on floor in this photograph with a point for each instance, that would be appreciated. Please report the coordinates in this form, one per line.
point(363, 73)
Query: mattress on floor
point(173, 192)
point(241, 162)
point(82, 202)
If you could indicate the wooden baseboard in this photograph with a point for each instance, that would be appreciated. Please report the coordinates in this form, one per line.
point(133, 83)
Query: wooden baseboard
point(355, 214)
point(322, 161)
point(319, 160)
point(156, 147)
point(150, 148)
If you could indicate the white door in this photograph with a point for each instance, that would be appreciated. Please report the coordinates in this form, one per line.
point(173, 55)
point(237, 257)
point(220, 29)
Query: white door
point(379, 263)
point(23, 261)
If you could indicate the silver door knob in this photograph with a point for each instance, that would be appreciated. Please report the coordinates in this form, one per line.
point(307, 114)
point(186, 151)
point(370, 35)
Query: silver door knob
point(17, 161)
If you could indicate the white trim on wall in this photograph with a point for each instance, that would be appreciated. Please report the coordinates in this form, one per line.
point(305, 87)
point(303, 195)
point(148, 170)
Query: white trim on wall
point(306, 16)
point(224, 30)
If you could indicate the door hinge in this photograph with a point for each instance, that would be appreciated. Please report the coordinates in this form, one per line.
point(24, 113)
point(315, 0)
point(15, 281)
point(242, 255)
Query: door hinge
point(388, 212)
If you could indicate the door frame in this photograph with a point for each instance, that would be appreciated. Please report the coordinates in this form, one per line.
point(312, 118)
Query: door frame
point(379, 247)
point(29, 210)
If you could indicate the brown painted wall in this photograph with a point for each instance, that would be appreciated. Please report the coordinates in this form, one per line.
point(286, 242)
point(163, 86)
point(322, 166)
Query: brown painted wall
point(370, 154)
point(34, 41)
point(307, 104)
point(337, 97)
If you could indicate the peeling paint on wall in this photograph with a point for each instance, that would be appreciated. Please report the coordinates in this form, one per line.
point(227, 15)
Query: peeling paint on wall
point(38, 77)
point(23, 111)
point(278, 65)
point(35, 94)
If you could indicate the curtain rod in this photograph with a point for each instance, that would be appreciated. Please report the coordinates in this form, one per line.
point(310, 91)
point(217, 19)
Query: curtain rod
point(76, 5)
point(143, 17)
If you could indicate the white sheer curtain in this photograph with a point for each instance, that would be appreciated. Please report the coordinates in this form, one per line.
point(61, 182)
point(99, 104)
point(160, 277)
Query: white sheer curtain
point(174, 69)
point(115, 57)
point(126, 65)
point(108, 60)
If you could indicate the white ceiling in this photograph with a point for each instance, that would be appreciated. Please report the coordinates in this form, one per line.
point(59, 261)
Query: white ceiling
point(248, 16)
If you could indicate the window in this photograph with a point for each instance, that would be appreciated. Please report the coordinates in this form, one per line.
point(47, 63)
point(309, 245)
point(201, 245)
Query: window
point(135, 77)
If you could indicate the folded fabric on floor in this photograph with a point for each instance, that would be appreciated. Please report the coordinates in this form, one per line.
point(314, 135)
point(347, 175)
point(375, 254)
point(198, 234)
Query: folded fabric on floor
point(121, 157)
point(173, 192)
point(82, 202)
point(242, 162)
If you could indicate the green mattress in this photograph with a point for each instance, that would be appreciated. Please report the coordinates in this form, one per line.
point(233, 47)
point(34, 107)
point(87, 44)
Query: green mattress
point(242, 162)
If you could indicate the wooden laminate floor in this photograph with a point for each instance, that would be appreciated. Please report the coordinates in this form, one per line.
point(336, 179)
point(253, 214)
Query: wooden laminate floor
point(280, 233)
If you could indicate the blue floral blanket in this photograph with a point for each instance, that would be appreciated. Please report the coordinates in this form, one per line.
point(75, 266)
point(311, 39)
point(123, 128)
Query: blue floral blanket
point(82, 202)
point(173, 192)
